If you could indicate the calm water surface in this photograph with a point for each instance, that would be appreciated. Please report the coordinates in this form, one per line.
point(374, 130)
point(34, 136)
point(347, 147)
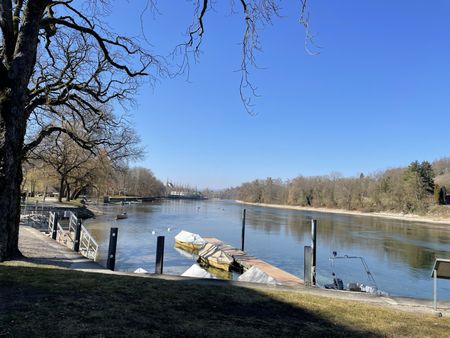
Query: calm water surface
point(400, 254)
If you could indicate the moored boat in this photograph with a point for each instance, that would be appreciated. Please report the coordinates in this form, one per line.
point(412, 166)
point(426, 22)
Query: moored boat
point(338, 283)
point(189, 241)
point(123, 215)
point(211, 255)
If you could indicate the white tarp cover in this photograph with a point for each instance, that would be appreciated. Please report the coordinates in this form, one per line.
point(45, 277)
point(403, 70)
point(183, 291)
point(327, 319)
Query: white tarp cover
point(212, 252)
point(197, 271)
point(140, 270)
point(189, 237)
point(255, 275)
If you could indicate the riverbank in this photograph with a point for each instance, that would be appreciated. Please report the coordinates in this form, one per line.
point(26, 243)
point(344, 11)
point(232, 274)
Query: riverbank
point(114, 304)
point(398, 216)
point(119, 305)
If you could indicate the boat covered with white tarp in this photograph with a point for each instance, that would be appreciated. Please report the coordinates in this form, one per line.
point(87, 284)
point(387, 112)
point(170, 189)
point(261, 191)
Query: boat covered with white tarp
point(189, 241)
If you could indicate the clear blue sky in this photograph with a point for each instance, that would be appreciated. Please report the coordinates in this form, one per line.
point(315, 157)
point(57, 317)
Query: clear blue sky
point(377, 96)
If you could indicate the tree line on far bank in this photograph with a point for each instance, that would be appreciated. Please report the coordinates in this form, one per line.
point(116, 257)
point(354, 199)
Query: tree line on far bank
point(414, 189)
point(95, 177)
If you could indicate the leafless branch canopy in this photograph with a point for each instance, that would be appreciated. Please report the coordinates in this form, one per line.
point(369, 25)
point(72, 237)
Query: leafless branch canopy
point(79, 70)
point(255, 14)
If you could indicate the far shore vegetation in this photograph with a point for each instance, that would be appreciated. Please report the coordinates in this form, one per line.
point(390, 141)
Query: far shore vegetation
point(421, 188)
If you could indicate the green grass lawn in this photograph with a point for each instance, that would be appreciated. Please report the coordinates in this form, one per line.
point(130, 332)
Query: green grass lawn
point(37, 301)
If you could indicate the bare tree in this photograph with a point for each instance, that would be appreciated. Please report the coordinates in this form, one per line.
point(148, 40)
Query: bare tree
point(75, 165)
point(59, 53)
point(55, 55)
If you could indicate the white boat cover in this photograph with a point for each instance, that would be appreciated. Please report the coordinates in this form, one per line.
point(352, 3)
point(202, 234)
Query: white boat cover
point(255, 275)
point(197, 271)
point(212, 252)
point(140, 270)
point(189, 237)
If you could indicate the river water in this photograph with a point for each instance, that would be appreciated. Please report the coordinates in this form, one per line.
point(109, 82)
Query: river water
point(400, 254)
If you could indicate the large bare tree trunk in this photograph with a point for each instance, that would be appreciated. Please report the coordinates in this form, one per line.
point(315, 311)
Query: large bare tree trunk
point(12, 131)
point(18, 58)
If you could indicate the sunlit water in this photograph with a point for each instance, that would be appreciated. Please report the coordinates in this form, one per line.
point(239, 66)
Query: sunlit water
point(400, 254)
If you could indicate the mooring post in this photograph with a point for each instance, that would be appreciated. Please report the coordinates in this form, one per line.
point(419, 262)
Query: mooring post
point(307, 265)
point(111, 262)
point(76, 242)
point(159, 255)
point(313, 251)
point(435, 290)
point(243, 230)
point(55, 226)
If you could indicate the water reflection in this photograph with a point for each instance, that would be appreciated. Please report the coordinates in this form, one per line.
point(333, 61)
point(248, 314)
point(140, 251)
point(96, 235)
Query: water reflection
point(400, 254)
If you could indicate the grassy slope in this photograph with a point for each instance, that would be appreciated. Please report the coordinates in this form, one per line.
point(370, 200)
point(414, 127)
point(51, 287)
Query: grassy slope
point(38, 301)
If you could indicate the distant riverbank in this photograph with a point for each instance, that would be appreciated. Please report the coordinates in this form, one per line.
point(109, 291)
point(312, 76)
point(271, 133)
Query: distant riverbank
point(399, 216)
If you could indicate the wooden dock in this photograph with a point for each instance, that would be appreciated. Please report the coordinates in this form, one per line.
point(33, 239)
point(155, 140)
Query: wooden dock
point(246, 262)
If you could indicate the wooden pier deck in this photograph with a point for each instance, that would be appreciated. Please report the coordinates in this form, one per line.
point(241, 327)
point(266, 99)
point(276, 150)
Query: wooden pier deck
point(246, 261)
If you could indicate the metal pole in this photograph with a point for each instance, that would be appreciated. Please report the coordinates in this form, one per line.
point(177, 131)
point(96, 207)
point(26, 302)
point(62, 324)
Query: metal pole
point(159, 255)
point(313, 251)
point(307, 265)
point(243, 230)
point(435, 290)
point(76, 243)
point(111, 262)
point(55, 226)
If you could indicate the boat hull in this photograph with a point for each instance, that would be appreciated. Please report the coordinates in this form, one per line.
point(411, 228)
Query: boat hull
point(190, 247)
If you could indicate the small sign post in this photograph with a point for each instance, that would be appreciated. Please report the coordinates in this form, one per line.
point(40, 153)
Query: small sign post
point(441, 269)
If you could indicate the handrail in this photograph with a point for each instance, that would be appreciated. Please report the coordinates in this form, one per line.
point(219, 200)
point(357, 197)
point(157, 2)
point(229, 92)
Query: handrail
point(72, 227)
point(88, 245)
point(51, 220)
point(61, 235)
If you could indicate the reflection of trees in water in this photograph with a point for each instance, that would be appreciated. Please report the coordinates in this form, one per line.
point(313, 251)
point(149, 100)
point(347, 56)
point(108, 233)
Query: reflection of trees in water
point(263, 219)
point(412, 243)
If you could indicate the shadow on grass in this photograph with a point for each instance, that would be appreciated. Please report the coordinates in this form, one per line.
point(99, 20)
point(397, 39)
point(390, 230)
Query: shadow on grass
point(74, 263)
point(43, 302)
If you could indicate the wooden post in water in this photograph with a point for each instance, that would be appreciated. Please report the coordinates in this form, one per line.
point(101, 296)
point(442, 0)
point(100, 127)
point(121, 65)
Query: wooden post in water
point(159, 255)
point(55, 226)
point(111, 262)
point(313, 251)
point(76, 242)
point(243, 230)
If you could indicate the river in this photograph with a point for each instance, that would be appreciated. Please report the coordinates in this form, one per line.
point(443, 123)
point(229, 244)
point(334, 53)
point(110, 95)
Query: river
point(400, 254)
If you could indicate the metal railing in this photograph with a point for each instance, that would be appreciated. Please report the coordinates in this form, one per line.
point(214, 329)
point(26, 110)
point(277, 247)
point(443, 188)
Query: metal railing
point(88, 245)
point(72, 227)
point(51, 220)
point(61, 235)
